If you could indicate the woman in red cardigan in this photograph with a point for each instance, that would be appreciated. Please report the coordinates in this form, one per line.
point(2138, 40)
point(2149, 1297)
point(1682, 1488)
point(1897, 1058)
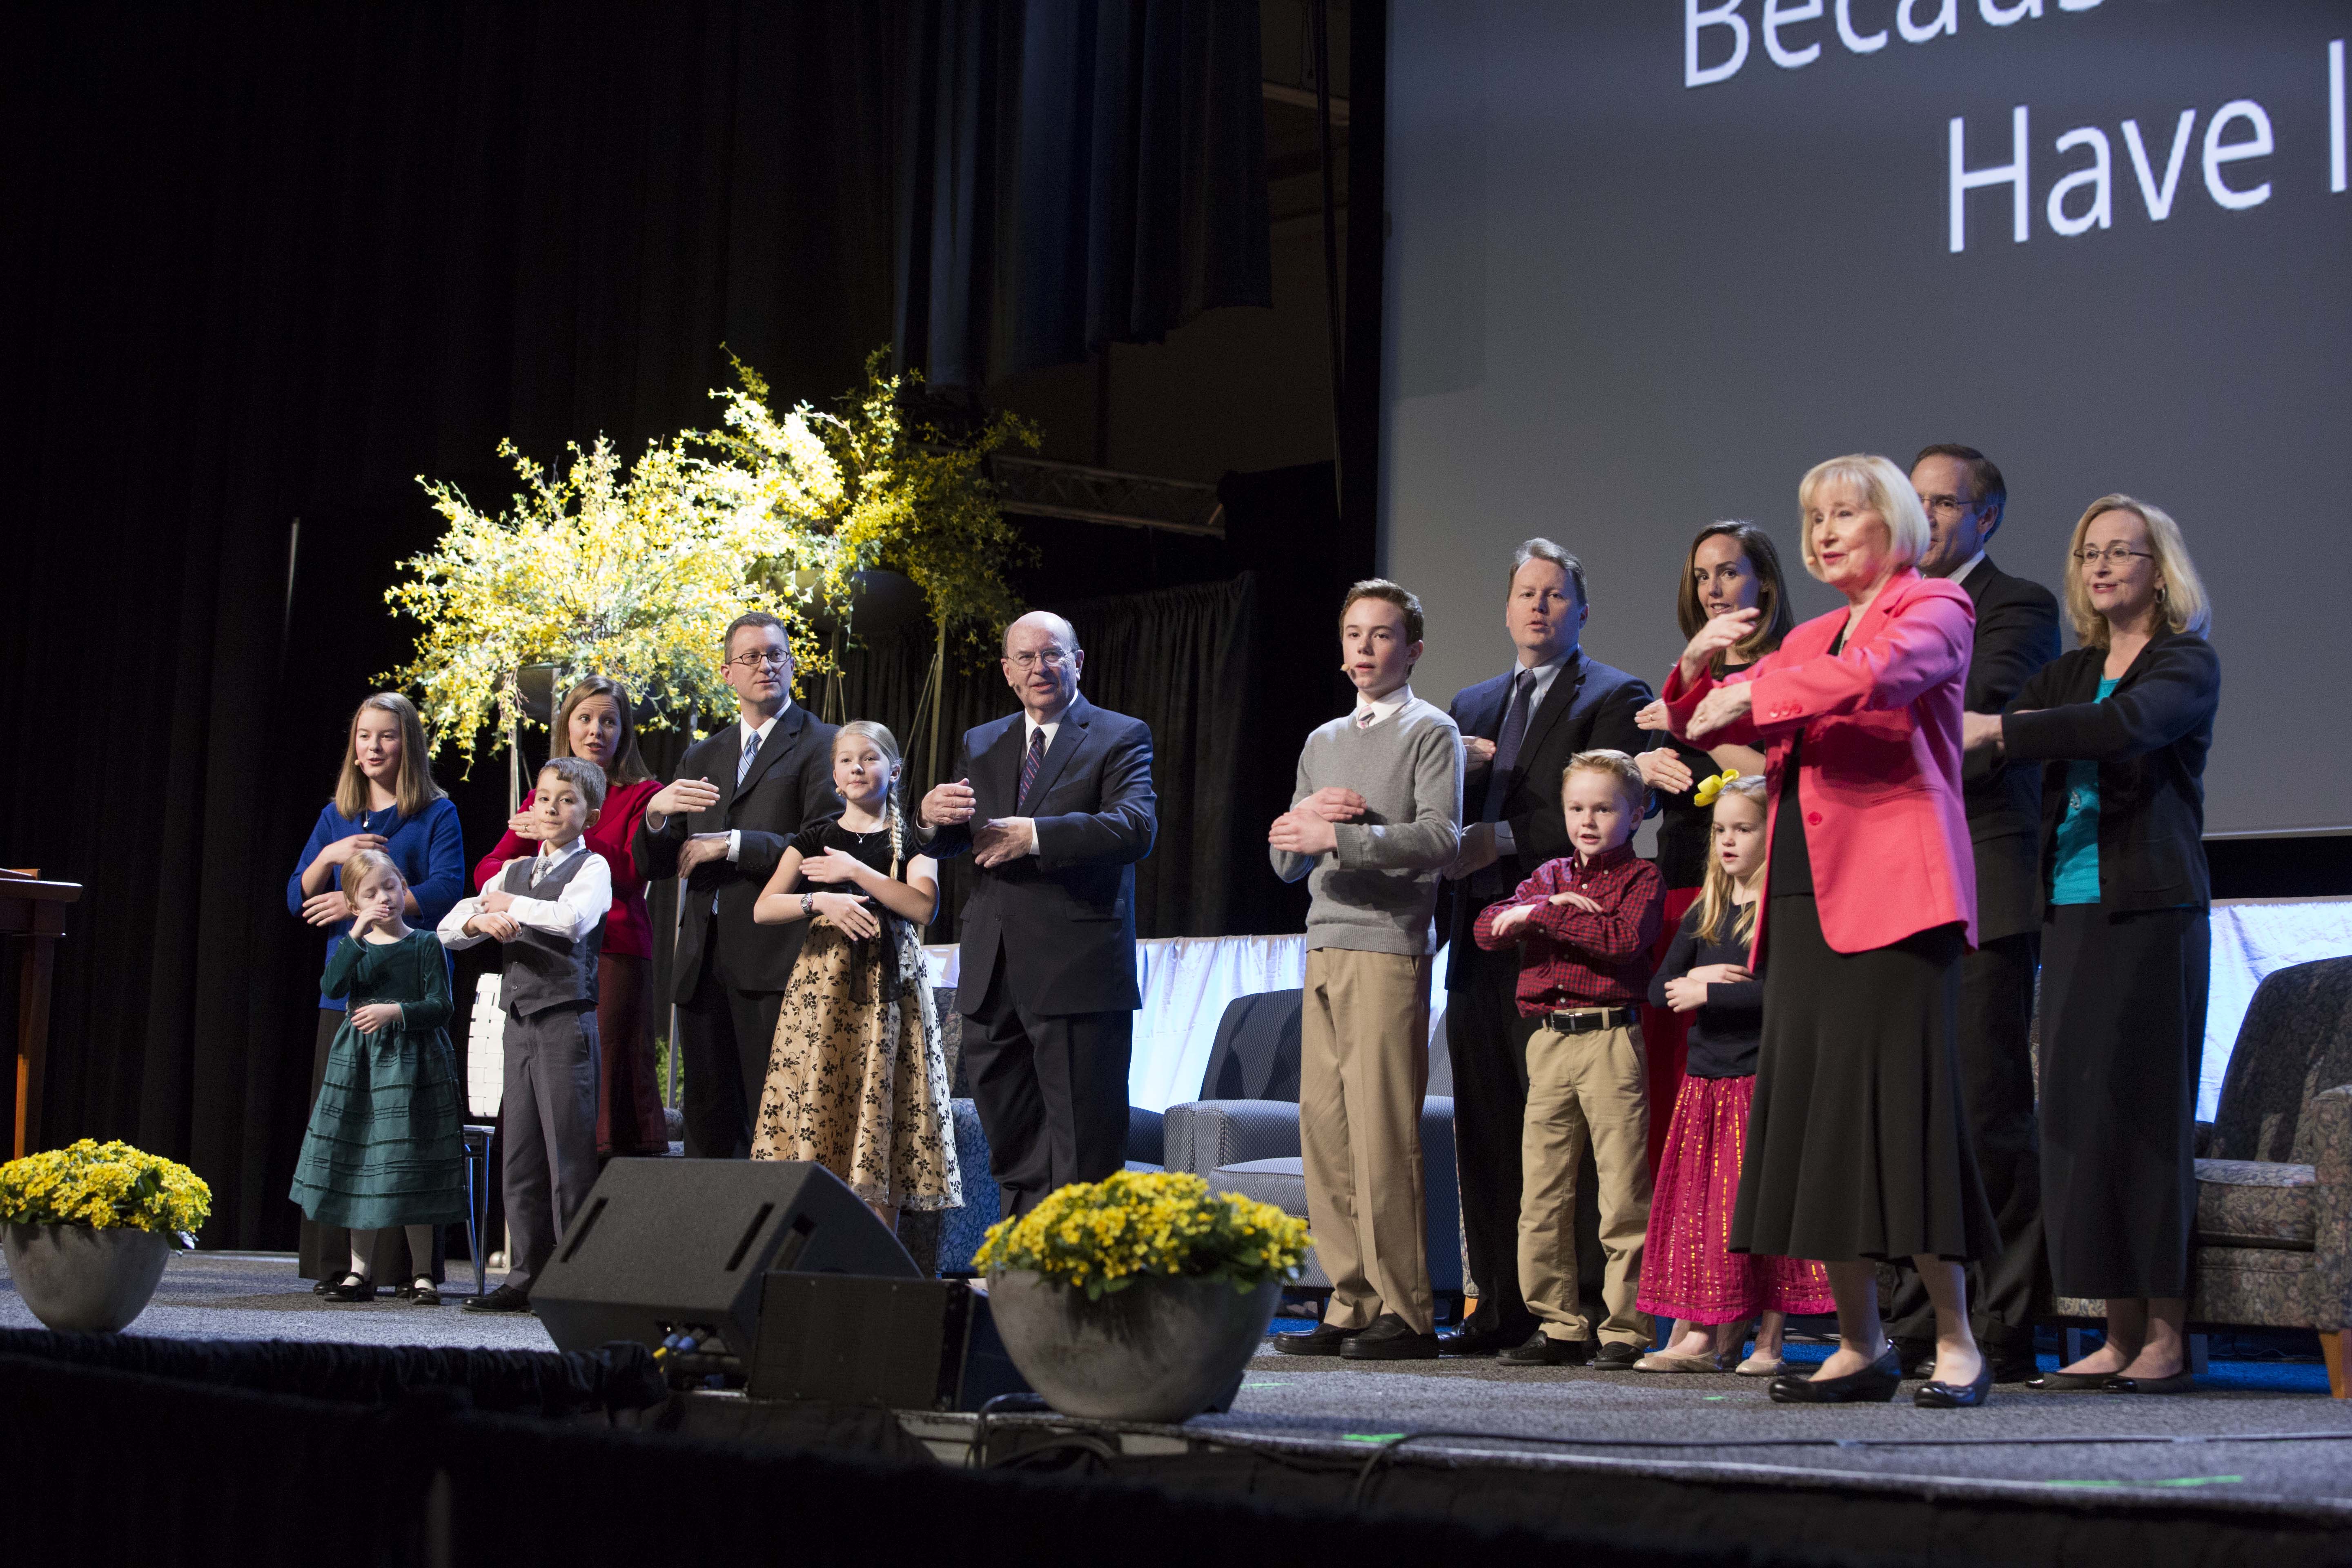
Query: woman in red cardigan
point(594, 724)
point(1856, 1150)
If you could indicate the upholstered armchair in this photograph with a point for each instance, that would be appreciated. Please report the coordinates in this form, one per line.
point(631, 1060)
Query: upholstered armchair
point(2273, 1241)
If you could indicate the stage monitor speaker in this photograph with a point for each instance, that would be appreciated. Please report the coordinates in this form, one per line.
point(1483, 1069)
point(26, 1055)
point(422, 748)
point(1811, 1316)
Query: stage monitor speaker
point(908, 1344)
point(663, 1247)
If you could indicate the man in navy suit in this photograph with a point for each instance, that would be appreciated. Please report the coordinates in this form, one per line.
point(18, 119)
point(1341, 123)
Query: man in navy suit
point(1518, 731)
point(1055, 806)
point(722, 824)
point(2017, 632)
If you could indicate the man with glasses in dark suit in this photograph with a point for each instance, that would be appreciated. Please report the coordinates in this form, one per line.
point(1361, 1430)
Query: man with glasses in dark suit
point(2017, 634)
point(1519, 730)
point(722, 824)
point(1054, 805)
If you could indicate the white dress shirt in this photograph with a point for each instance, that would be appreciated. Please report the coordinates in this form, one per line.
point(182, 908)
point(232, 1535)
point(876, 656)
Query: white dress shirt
point(744, 730)
point(1386, 706)
point(571, 914)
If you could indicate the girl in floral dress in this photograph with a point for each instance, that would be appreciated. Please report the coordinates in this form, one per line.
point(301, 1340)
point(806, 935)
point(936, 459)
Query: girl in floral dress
point(856, 1075)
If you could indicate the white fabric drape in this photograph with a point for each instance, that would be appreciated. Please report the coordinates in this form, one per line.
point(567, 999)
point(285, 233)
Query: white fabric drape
point(1186, 981)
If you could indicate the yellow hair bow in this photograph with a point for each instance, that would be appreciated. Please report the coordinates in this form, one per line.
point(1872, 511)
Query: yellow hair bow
point(1709, 788)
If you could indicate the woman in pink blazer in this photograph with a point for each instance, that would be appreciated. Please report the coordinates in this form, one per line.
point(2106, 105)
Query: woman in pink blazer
point(1856, 1150)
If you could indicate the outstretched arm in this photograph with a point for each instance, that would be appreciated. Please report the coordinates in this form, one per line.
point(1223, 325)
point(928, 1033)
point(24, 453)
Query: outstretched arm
point(2176, 695)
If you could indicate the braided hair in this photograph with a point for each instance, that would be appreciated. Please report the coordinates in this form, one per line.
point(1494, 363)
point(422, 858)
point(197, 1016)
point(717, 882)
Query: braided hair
point(894, 811)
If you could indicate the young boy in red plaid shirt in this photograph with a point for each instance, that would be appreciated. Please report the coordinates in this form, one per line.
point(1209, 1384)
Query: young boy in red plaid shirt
point(1585, 924)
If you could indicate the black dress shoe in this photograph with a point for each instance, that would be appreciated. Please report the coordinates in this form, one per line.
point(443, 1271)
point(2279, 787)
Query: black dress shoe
point(1933, 1395)
point(1873, 1384)
point(1542, 1349)
point(505, 1298)
point(1919, 1357)
point(2018, 1368)
point(1614, 1357)
point(1320, 1340)
point(1390, 1338)
point(1468, 1340)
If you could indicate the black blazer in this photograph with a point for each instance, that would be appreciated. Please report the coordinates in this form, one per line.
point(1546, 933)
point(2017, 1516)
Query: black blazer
point(1590, 705)
point(2149, 739)
point(2017, 634)
point(790, 782)
point(1065, 917)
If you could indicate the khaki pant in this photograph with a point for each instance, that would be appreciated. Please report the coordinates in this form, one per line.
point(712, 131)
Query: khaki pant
point(1363, 1069)
point(1579, 1087)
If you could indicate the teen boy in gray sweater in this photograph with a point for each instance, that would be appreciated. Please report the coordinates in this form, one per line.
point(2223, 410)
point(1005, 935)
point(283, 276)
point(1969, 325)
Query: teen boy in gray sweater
point(1375, 820)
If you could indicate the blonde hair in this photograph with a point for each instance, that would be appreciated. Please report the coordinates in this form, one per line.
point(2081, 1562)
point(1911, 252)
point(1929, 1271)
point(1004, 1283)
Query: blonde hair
point(1885, 490)
point(628, 765)
point(416, 789)
point(363, 864)
point(1720, 896)
point(2181, 594)
point(1618, 766)
point(887, 745)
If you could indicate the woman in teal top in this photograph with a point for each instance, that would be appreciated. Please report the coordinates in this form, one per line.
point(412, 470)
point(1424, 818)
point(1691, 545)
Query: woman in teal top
point(2123, 724)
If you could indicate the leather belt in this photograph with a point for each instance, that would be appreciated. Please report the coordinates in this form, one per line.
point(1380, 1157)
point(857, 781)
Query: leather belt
point(1587, 1020)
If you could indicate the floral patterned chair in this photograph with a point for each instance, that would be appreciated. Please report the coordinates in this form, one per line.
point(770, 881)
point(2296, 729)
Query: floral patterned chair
point(2273, 1244)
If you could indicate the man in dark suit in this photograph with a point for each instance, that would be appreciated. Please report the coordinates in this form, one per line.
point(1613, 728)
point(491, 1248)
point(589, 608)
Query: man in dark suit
point(1055, 806)
point(2017, 634)
point(1518, 731)
point(739, 795)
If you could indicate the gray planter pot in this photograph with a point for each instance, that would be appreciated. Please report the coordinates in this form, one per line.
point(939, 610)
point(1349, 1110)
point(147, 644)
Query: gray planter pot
point(81, 1281)
point(1160, 1350)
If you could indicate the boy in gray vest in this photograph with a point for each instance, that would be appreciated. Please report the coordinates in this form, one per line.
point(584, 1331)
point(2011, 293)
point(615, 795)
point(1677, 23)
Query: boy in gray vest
point(1376, 819)
point(549, 913)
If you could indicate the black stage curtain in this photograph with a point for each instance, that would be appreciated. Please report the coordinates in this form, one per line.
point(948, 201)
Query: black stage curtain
point(271, 263)
point(1076, 174)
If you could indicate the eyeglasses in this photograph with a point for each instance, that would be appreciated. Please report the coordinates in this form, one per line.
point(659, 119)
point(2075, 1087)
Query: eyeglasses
point(779, 657)
point(1052, 659)
point(1945, 505)
point(2090, 556)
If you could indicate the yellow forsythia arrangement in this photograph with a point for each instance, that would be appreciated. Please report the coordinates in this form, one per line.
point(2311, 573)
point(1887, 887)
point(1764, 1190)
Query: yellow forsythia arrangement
point(1102, 1236)
point(105, 1186)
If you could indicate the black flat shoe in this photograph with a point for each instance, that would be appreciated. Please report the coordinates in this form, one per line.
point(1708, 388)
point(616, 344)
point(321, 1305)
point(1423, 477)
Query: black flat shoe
point(1873, 1384)
point(2015, 1369)
point(1542, 1349)
point(2181, 1381)
point(1958, 1396)
point(1390, 1338)
point(352, 1287)
point(420, 1294)
point(1322, 1340)
point(2069, 1382)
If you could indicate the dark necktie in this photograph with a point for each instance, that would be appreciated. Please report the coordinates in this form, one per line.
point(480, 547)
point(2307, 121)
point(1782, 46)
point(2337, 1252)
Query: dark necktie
point(1031, 760)
point(1506, 744)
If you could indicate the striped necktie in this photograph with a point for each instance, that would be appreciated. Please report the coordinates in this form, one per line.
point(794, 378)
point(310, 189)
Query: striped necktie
point(751, 751)
point(1031, 760)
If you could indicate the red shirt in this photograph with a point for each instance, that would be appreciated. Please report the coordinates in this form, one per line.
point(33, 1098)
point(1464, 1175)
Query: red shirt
point(1571, 957)
point(627, 929)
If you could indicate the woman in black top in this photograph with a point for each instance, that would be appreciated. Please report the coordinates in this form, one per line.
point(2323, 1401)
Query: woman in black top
point(2122, 724)
point(1731, 566)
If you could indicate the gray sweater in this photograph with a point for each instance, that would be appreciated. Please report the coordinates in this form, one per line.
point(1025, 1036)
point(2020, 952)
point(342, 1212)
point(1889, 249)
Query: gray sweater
point(1377, 892)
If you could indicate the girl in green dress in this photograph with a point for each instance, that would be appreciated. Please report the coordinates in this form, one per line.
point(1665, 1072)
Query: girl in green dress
point(385, 1143)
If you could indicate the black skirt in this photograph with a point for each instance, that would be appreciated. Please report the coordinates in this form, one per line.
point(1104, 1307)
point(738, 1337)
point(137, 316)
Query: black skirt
point(2122, 1029)
point(1856, 1142)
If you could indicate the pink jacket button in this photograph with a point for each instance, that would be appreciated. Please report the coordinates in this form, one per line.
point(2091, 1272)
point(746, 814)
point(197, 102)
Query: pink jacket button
point(1814, 817)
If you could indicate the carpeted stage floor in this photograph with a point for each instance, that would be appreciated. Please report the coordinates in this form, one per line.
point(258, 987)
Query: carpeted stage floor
point(2258, 1433)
